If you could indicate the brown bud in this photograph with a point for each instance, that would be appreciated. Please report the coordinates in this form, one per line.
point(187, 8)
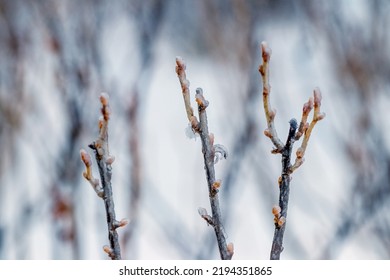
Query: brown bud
point(276, 210)
point(86, 158)
point(217, 184)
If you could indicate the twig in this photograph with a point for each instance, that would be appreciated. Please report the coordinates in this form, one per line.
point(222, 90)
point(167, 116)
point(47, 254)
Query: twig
point(269, 112)
point(295, 133)
point(210, 156)
point(280, 218)
point(104, 161)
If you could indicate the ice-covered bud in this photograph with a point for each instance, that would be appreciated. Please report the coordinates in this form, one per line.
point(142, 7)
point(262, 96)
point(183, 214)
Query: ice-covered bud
point(266, 51)
point(200, 100)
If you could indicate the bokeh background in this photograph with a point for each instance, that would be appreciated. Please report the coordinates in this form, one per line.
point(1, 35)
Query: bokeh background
point(56, 57)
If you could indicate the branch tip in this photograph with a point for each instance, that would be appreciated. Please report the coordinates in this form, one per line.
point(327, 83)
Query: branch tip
point(265, 51)
point(200, 100)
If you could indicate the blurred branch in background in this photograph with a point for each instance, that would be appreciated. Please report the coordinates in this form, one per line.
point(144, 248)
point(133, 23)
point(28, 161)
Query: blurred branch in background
point(357, 42)
point(148, 17)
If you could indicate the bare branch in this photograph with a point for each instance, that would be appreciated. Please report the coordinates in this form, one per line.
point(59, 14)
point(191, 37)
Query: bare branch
point(280, 212)
point(295, 133)
point(185, 87)
point(104, 161)
point(210, 158)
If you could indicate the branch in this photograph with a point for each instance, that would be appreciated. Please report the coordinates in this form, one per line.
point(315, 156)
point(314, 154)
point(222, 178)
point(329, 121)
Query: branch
point(295, 133)
point(281, 214)
point(270, 132)
point(104, 162)
point(211, 154)
point(306, 128)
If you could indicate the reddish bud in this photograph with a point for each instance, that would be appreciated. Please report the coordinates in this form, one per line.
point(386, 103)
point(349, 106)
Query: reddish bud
point(104, 98)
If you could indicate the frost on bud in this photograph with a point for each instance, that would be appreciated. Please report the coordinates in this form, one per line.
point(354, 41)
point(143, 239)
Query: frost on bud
point(220, 152)
point(230, 248)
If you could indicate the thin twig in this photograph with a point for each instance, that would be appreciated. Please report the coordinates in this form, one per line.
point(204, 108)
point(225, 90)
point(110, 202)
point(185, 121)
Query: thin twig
point(269, 112)
point(209, 151)
point(104, 161)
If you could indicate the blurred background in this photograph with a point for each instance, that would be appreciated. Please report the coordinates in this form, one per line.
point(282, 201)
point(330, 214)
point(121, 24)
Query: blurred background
point(58, 56)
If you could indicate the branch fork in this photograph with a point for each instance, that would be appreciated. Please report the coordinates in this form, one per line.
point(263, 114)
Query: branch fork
point(295, 133)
